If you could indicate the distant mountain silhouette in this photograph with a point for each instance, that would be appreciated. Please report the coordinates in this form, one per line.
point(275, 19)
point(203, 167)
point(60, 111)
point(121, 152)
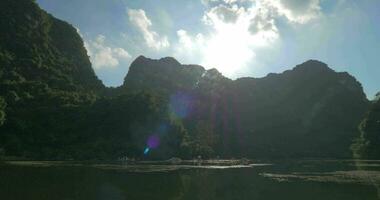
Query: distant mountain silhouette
point(52, 105)
point(168, 73)
point(310, 110)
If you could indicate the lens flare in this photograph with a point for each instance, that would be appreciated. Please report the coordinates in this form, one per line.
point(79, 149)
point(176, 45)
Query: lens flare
point(153, 141)
point(182, 104)
point(146, 151)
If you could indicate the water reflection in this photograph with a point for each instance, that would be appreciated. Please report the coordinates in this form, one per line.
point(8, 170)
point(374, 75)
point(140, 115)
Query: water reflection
point(302, 180)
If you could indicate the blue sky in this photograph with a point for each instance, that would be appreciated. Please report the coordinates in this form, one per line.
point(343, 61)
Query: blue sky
point(238, 37)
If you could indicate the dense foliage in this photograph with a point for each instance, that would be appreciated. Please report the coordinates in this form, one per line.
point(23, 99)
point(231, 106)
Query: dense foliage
point(310, 111)
point(56, 108)
point(2, 110)
point(367, 145)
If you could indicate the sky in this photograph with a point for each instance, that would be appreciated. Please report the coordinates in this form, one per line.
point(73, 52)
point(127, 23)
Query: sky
point(240, 38)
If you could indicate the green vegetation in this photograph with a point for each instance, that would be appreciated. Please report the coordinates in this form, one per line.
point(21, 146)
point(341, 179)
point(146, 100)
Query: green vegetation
point(2, 110)
point(367, 145)
point(310, 111)
point(56, 107)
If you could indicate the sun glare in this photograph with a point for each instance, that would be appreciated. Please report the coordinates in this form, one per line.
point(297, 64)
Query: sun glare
point(231, 46)
point(228, 50)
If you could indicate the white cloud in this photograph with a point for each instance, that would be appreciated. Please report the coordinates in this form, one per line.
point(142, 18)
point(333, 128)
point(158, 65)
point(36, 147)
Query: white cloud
point(207, 2)
point(231, 1)
point(121, 53)
point(239, 28)
point(189, 48)
point(139, 19)
point(228, 14)
point(298, 11)
point(262, 21)
point(235, 32)
point(103, 56)
point(221, 50)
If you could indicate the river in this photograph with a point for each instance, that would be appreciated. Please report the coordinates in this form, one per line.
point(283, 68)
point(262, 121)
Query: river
point(262, 180)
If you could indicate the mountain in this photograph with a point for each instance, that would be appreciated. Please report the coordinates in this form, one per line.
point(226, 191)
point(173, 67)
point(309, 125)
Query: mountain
point(42, 58)
point(310, 110)
point(145, 73)
point(43, 48)
point(44, 72)
point(307, 111)
point(51, 102)
point(52, 105)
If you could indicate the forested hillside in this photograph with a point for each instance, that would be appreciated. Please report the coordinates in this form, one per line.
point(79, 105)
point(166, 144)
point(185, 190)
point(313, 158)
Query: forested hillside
point(55, 109)
point(367, 145)
point(52, 105)
point(309, 111)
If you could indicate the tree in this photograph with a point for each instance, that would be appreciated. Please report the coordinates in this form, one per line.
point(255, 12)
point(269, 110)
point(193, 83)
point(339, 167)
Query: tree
point(377, 96)
point(367, 145)
point(2, 110)
point(204, 140)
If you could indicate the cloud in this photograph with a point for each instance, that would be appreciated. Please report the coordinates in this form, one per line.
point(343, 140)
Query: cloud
point(219, 50)
point(153, 40)
point(189, 48)
point(207, 2)
point(235, 32)
point(256, 18)
point(228, 14)
point(262, 22)
point(103, 56)
point(236, 29)
point(298, 11)
point(121, 53)
point(229, 18)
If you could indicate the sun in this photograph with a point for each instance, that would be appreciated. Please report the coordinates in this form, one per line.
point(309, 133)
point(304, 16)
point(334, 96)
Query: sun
point(231, 46)
point(228, 50)
point(221, 50)
point(228, 46)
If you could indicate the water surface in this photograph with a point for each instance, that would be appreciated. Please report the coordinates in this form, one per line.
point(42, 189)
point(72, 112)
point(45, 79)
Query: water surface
point(291, 179)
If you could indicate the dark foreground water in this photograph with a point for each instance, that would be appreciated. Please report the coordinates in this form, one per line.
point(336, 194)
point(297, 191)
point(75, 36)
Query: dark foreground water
point(306, 180)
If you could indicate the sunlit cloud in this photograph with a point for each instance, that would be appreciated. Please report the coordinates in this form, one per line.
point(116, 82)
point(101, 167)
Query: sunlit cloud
point(103, 56)
point(238, 37)
point(207, 2)
point(235, 32)
point(298, 11)
point(238, 28)
point(152, 39)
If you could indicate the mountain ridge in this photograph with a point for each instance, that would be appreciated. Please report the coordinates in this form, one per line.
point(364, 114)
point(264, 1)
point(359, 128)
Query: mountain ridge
point(310, 90)
point(310, 67)
point(52, 105)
